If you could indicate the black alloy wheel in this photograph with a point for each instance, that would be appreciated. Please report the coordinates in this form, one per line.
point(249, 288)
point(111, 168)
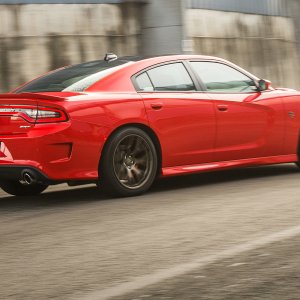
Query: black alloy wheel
point(129, 163)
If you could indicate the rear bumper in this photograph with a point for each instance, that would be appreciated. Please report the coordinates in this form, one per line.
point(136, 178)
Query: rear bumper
point(57, 153)
point(8, 172)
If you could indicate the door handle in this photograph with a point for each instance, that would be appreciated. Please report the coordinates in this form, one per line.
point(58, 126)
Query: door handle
point(222, 107)
point(156, 105)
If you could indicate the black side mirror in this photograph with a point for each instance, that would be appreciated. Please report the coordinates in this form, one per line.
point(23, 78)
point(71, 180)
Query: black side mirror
point(263, 85)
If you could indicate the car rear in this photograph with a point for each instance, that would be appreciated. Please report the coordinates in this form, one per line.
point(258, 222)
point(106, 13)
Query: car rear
point(27, 122)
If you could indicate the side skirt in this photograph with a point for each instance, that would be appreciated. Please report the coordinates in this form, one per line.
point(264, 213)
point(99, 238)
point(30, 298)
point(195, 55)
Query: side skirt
point(221, 165)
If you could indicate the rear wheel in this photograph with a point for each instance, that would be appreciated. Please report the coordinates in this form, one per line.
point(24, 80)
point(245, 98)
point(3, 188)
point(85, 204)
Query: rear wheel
point(129, 163)
point(18, 189)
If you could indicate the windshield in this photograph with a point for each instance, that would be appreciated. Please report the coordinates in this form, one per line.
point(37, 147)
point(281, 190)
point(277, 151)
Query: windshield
point(74, 78)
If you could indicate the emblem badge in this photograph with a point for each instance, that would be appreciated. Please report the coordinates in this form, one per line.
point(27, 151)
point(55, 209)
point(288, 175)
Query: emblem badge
point(291, 114)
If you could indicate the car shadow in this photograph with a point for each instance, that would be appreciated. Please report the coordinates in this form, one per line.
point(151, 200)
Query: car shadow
point(52, 198)
point(212, 178)
point(62, 196)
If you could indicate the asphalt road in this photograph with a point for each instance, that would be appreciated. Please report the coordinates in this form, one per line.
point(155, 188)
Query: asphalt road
point(227, 235)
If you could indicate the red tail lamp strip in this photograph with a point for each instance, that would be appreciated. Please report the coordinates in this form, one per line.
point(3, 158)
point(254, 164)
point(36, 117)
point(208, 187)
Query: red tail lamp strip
point(34, 114)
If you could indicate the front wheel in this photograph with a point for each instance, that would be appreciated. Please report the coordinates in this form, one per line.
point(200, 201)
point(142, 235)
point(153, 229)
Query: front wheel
point(18, 189)
point(129, 163)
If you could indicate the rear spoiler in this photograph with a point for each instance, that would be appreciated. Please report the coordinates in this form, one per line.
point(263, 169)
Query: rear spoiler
point(35, 96)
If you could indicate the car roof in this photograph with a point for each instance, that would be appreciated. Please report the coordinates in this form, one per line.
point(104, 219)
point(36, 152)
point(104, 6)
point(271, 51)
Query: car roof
point(121, 79)
point(154, 59)
point(167, 57)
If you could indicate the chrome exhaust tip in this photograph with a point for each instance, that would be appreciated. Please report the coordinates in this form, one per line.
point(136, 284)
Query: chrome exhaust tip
point(28, 178)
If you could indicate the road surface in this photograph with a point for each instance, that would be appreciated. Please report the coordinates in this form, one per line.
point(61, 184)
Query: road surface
point(227, 235)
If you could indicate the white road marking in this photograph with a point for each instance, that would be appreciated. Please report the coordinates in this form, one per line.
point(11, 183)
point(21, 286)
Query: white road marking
point(156, 277)
point(199, 276)
point(237, 265)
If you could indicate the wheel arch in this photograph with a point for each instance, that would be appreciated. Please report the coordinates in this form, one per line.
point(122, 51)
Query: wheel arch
point(149, 131)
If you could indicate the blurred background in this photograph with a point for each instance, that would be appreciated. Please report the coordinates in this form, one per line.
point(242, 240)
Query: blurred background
point(238, 229)
point(39, 35)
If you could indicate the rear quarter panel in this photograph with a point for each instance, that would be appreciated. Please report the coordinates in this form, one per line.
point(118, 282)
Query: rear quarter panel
point(94, 117)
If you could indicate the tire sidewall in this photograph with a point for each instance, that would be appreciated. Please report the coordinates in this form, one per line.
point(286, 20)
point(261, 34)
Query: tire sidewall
point(108, 178)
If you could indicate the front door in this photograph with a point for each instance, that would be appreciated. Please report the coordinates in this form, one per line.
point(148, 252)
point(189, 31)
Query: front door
point(250, 124)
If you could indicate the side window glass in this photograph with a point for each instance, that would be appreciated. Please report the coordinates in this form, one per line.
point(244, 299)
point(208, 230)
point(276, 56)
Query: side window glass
point(171, 77)
point(144, 83)
point(218, 77)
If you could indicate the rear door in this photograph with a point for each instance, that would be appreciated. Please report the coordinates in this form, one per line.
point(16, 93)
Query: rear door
point(183, 119)
point(249, 123)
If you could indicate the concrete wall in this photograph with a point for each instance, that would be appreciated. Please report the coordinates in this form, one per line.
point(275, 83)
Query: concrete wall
point(38, 38)
point(264, 45)
point(294, 11)
point(162, 28)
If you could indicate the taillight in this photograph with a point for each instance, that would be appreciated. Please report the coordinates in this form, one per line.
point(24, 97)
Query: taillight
point(34, 114)
point(50, 115)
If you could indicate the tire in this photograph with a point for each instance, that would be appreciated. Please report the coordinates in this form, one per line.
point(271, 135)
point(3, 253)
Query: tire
point(129, 163)
point(17, 189)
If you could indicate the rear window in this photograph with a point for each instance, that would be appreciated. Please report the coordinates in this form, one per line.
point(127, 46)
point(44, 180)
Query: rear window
point(170, 77)
point(75, 78)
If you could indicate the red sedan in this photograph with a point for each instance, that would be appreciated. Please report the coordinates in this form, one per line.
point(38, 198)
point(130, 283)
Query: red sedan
point(122, 122)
